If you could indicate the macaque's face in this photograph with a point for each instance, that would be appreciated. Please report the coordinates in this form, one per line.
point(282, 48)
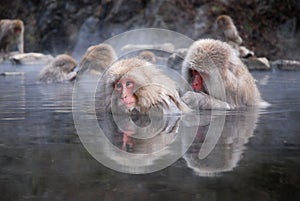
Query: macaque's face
point(124, 87)
point(197, 81)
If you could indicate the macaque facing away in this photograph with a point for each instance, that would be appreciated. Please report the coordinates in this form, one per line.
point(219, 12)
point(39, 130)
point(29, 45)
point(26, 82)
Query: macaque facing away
point(137, 84)
point(210, 66)
point(11, 33)
point(97, 58)
point(59, 70)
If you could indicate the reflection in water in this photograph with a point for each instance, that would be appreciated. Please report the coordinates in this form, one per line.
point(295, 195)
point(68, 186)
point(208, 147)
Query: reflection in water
point(42, 158)
point(227, 150)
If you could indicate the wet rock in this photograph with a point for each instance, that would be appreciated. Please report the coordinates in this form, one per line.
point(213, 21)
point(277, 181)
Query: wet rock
point(287, 64)
point(30, 58)
point(260, 63)
point(168, 47)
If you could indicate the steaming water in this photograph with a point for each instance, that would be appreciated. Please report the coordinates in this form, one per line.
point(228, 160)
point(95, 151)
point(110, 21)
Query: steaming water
point(256, 157)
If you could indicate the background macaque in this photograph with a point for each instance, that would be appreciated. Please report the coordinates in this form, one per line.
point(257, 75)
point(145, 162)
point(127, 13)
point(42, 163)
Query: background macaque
point(225, 24)
point(97, 58)
point(138, 84)
point(148, 56)
point(232, 37)
point(11, 33)
point(59, 70)
point(208, 65)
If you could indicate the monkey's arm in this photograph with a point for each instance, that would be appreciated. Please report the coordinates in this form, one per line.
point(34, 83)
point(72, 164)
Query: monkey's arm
point(201, 100)
point(71, 76)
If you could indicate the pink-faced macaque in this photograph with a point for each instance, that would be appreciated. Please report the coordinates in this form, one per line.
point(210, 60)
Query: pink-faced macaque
point(137, 84)
point(218, 77)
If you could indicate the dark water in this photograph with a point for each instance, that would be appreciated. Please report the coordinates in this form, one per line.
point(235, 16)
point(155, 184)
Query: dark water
point(256, 157)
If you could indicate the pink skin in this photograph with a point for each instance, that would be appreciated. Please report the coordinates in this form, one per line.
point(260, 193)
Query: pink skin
point(197, 81)
point(125, 88)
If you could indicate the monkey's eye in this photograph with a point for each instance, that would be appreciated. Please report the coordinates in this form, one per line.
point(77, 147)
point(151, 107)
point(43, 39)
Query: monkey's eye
point(118, 86)
point(129, 84)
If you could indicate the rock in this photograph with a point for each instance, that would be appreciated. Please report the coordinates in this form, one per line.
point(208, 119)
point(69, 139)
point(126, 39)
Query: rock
point(261, 63)
point(168, 47)
point(30, 58)
point(286, 64)
point(245, 52)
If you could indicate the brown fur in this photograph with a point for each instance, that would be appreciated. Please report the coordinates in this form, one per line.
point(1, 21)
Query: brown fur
point(225, 24)
point(152, 87)
point(148, 56)
point(223, 67)
point(8, 37)
point(59, 70)
point(97, 58)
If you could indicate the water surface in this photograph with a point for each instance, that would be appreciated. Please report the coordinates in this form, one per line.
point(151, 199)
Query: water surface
point(256, 157)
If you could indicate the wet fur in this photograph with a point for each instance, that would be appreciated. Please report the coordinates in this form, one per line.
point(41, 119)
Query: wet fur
point(209, 55)
point(59, 70)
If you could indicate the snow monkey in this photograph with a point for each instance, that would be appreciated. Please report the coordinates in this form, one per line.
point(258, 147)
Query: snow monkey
point(11, 33)
point(148, 56)
point(97, 58)
point(211, 64)
point(225, 24)
point(59, 70)
point(138, 84)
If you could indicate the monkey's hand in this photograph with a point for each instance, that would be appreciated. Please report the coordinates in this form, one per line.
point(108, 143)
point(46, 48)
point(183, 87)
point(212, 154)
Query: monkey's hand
point(200, 100)
point(71, 76)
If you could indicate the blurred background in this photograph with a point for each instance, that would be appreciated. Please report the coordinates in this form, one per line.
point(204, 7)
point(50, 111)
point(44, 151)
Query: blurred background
point(270, 28)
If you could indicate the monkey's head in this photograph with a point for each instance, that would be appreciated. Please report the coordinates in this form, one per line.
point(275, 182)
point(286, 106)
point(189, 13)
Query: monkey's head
point(148, 56)
point(65, 63)
point(204, 58)
point(224, 21)
point(18, 27)
point(98, 58)
point(139, 84)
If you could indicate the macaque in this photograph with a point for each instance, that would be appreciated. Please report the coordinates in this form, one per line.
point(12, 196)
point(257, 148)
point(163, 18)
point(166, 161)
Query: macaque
point(148, 56)
point(210, 66)
point(59, 70)
point(225, 24)
point(97, 58)
point(11, 33)
point(137, 84)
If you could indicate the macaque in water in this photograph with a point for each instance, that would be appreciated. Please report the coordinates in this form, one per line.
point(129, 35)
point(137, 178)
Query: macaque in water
point(97, 58)
point(11, 33)
point(148, 56)
point(138, 84)
point(59, 70)
point(210, 65)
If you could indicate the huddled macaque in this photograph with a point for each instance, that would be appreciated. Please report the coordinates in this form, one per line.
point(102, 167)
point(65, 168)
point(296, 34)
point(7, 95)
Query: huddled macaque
point(11, 33)
point(59, 70)
point(210, 65)
point(97, 58)
point(137, 84)
point(148, 56)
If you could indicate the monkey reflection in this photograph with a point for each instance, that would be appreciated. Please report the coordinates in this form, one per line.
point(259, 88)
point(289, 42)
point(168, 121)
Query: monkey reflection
point(59, 70)
point(97, 58)
point(138, 84)
point(210, 65)
point(210, 156)
point(11, 33)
